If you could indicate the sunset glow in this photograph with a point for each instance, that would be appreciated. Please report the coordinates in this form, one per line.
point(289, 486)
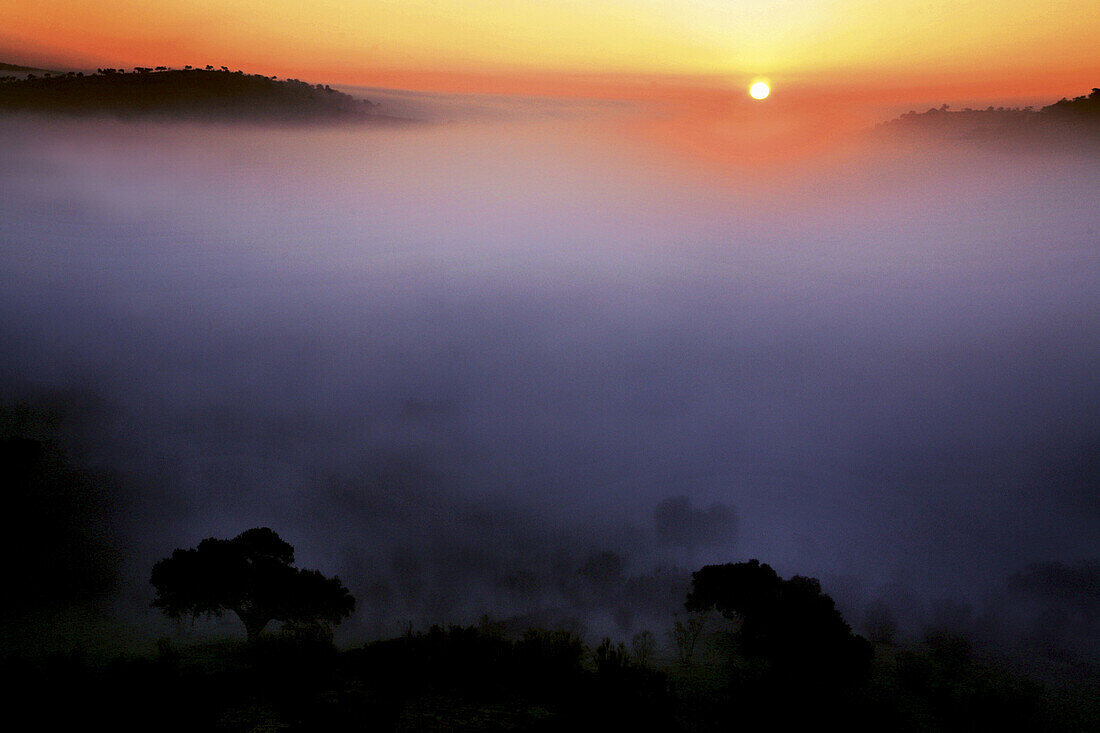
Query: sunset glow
point(371, 41)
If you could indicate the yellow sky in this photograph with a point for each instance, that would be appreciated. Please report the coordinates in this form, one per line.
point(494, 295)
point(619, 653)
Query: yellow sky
point(354, 41)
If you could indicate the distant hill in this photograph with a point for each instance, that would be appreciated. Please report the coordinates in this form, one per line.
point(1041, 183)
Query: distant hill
point(187, 94)
point(1066, 122)
point(20, 69)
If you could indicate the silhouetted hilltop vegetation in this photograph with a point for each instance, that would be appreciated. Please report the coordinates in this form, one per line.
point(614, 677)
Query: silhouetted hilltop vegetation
point(180, 94)
point(1066, 121)
point(1083, 106)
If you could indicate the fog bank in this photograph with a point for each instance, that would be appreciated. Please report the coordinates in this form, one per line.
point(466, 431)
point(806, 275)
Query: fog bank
point(460, 363)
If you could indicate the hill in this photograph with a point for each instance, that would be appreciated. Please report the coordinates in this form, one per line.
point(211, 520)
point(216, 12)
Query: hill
point(181, 94)
point(1066, 122)
point(16, 68)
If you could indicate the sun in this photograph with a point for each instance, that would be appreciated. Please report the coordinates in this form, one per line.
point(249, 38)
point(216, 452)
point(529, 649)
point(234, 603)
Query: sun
point(760, 90)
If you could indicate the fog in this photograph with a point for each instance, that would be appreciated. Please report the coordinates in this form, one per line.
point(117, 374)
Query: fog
point(460, 362)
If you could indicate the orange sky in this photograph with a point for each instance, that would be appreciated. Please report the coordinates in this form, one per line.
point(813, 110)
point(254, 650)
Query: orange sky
point(1007, 48)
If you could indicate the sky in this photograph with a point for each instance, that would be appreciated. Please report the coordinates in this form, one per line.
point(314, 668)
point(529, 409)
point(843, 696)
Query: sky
point(1012, 47)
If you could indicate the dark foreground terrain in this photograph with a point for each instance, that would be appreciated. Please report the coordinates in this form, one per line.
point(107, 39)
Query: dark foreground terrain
point(476, 679)
point(180, 94)
point(746, 650)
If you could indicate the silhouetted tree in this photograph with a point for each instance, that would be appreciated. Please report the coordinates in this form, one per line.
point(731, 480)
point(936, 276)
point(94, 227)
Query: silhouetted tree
point(1075, 586)
point(879, 623)
point(677, 523)
point(57, 527)
point(686, 636)
point(253, 576)
point(789, 625)
point(610, 657)
point(602, 570)
point(642, 646)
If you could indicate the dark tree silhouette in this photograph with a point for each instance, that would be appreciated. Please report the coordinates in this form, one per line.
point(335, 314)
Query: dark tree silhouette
point(677, 522)
point(253, 576)
point(788, 624)
point(879, 623)
point(1073, 585)
point(57, 520)
point(602, 569)
point(686, 636)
